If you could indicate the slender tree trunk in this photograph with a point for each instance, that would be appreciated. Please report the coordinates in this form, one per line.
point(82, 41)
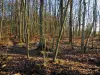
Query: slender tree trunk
point(62, 19)
point(2, 20)
point(41, 22)
point(79, 16)
point(55, 23)
point(94, 20)
point(99, 27)
point(28, 26)
point(70, 21)
point(16, 17)
point(83, 26)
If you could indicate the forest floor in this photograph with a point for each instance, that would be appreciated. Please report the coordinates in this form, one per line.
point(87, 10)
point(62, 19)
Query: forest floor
point(69, 62)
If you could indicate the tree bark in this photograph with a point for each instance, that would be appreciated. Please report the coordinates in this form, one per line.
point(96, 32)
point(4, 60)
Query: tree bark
point(62, 19)
point(83, 26)
point(70, 21)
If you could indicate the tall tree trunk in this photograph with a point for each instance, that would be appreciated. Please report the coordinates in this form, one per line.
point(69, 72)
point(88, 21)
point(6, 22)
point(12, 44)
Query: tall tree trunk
point(95, 17)
point(28, 26)
point(55, 23)
point(99, 26)
point(16, 17)
point(62, 19)
point(70, 21)
point(2, 18)
point(41, 22)
point(83, 26)
point(94, 20)
point(79, 16)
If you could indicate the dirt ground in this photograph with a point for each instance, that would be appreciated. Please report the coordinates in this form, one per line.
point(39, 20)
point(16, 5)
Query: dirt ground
point(70, 61)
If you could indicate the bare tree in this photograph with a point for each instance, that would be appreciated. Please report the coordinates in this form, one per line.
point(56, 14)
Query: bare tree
point(79, 16)
point(83, 26)
point(2, 18)
point(70, 21)
point(62, 19)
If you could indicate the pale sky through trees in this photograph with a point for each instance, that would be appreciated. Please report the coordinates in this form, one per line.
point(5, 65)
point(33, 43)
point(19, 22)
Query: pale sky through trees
point(75, 6)
point(98, 3)
point(91, 9)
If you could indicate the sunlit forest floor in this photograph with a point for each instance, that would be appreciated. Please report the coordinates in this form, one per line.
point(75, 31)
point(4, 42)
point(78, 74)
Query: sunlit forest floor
point(70, 61)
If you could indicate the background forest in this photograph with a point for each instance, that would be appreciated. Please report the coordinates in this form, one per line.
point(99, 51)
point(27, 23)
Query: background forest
point(64, 34)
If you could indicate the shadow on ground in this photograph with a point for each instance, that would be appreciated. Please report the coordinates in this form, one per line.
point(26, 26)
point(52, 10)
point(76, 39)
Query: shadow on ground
point(22, 50)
